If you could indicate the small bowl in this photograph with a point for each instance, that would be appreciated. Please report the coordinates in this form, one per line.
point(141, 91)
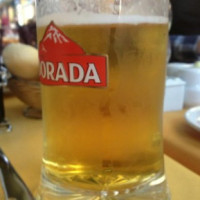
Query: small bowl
point(190, 75)
point(173, 69)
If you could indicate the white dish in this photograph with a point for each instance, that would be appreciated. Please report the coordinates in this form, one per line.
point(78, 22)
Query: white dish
point(192, 116)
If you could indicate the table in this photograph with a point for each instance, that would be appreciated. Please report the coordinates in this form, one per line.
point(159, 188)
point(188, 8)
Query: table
point(181, 141)
point(23, 146)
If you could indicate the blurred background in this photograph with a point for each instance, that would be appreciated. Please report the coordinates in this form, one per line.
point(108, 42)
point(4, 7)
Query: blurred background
point(18, 28)
point(17, 22)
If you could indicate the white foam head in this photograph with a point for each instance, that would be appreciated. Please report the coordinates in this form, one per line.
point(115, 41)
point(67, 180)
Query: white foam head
point(91, 18)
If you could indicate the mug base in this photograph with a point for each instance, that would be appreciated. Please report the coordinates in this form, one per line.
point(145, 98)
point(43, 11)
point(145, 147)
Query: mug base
point(156, 189)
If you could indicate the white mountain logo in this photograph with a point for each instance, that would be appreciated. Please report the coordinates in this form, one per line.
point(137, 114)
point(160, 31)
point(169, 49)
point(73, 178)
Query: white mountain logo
point(54, 34)
point(56, 42)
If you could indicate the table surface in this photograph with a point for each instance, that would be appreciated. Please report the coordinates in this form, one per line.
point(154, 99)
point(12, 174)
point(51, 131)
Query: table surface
point(23, 146)
point(181, 141)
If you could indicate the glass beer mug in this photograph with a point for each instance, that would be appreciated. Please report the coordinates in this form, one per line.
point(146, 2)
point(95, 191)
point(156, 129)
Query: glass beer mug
point(102, 72)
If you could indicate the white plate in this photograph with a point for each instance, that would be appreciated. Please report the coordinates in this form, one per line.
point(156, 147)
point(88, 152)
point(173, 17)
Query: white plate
point(193, 117)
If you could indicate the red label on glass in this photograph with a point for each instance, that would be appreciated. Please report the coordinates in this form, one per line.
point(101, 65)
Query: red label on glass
point(63, 62)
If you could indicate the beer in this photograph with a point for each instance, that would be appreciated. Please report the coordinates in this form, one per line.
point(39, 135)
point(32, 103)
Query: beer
point(109, 138)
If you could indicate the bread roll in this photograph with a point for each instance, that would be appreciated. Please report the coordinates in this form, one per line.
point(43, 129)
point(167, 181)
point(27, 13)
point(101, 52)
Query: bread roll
point(22, 61)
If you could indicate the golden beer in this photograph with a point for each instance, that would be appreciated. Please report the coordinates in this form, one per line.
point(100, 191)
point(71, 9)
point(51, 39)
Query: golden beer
point(109, 138)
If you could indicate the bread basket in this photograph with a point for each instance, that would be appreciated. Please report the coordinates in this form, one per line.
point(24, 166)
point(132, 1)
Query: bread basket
point(28, 92)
